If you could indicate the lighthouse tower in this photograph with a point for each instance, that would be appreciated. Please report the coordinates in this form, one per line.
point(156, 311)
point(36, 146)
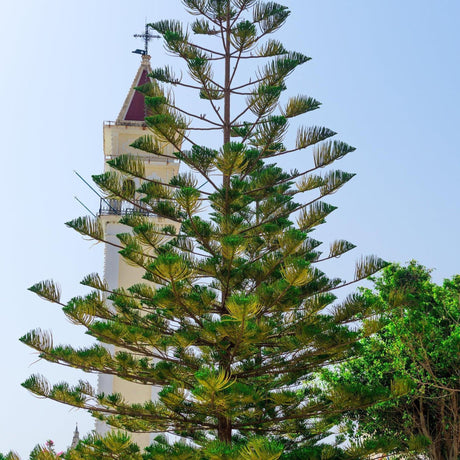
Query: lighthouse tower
point(118, 136)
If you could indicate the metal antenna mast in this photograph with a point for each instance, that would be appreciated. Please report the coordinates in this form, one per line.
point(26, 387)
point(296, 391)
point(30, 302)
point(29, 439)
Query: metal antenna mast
point(147, 36)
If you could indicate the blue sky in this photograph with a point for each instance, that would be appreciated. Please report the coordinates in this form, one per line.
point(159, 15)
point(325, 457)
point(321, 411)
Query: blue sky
point(387, 74)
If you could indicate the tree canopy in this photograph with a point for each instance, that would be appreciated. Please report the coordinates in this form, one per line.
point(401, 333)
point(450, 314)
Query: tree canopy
point(413, 363)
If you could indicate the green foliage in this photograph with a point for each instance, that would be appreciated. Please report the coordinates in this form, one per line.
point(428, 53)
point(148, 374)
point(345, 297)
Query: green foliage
point(234, 318)
point(46, 452)
point(9, 456)
point(412, 363)
point(114, 445)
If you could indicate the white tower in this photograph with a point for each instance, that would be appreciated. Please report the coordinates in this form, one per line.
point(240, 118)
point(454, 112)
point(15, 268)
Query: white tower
point(118, 136)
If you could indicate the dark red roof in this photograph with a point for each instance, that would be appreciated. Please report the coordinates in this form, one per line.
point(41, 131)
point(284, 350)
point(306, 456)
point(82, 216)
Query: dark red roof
point(136, 109)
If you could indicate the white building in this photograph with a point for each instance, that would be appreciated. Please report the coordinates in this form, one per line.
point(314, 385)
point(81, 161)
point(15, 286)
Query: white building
point(118, 136)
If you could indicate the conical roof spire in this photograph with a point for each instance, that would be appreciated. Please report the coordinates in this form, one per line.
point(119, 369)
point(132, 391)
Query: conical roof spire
point(76, 438)
point(133, 109)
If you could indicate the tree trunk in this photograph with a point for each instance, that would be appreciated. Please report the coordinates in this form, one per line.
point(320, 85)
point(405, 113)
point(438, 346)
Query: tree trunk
point(227, 112)
point(224, 430)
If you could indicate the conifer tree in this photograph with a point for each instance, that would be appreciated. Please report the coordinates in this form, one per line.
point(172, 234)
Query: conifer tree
point(234, 317)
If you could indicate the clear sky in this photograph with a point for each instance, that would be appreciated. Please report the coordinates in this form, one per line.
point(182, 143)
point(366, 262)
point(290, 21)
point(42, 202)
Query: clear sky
point(387, 73)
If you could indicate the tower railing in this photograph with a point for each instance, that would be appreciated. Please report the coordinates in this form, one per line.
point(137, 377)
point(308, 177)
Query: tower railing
point(111, 207)
point(138, 124)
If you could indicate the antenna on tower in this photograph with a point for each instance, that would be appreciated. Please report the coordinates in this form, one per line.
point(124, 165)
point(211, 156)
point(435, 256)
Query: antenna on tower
point(147, 36)
point(86, 207)
point(96, 192)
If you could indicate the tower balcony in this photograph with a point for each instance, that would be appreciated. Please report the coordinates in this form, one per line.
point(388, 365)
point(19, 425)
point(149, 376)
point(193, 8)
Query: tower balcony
point(111, 207)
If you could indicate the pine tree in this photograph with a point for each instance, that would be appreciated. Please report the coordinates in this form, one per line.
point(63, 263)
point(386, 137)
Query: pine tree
point(239, 318)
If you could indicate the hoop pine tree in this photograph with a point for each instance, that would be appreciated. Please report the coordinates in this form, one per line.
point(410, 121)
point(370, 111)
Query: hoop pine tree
point(239, 317)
